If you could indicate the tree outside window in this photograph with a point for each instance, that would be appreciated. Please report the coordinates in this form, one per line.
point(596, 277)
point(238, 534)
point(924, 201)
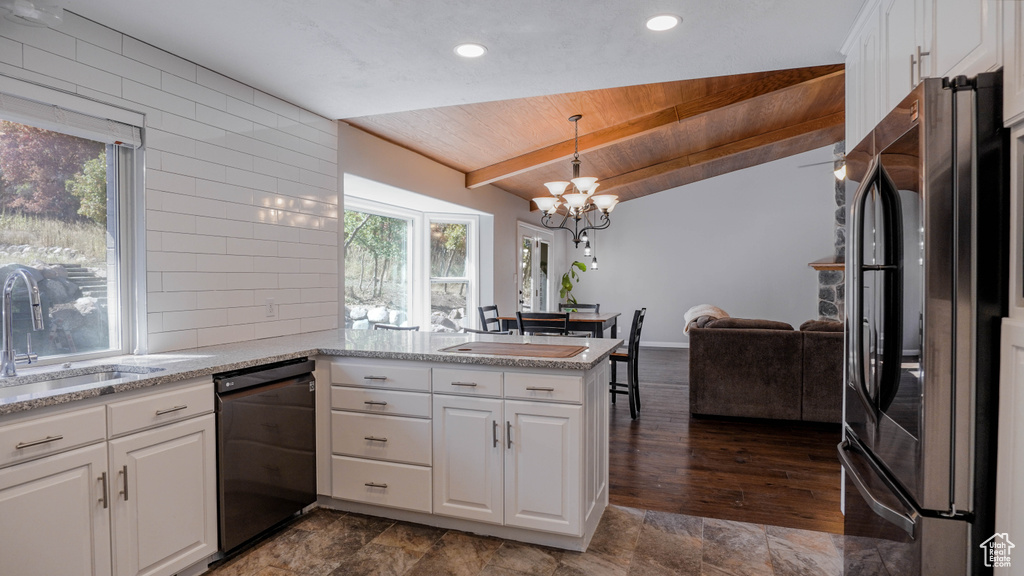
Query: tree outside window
point(376, 264)
point(53, 223)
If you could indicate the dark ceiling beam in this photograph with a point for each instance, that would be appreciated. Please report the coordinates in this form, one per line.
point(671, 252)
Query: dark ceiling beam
point(776, 82)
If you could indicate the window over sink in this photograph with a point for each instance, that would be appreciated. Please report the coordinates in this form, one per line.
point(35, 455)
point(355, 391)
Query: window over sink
point(66, 187)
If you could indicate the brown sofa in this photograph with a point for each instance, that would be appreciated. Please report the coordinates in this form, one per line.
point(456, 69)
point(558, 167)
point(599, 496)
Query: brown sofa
point(764, 369)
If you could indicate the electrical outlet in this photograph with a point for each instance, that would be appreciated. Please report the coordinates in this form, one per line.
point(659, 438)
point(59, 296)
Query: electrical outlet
point(271, 308)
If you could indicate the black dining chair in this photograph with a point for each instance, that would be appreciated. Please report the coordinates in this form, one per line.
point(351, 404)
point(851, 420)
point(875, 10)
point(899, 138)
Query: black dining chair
point(543, 323)
point(394, 327)
point(486, 318)
point(631, 356)
point(491, 332)
point(595, 308)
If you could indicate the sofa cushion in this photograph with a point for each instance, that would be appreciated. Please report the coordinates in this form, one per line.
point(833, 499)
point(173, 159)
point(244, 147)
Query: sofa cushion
point(748, 324)
point(822, 326)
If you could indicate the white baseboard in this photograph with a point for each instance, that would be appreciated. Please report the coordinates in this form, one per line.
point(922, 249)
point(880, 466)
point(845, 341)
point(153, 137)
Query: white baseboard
point(646, 344)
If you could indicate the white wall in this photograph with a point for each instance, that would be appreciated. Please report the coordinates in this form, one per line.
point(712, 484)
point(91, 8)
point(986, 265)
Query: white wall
point(369, 157)
point(740, 241)
point(241, 187)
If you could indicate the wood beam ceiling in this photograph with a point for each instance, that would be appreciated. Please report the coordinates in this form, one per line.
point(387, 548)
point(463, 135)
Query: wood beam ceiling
point(777, 82)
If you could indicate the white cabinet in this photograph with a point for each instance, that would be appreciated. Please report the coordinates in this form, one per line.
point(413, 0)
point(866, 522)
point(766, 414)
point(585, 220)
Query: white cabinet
point(517, 462)
point(542, 466)
point(141, 503)
point(903, 47)
point(1013, 62)
point(966, 36)
point(469, 449)
point(54, 515)
point(163, 497)
point(864, 77)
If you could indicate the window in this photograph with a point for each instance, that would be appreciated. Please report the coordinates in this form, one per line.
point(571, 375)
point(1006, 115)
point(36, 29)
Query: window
point(377, 286)
point(62, 219)
point(408, 268)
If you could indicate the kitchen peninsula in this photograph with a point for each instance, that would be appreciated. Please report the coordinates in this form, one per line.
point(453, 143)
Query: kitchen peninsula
point(514, 446)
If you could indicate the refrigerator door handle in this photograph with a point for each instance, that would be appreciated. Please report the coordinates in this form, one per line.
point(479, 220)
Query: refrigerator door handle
point(905, 521)
point(855, 325)
point(892, 311)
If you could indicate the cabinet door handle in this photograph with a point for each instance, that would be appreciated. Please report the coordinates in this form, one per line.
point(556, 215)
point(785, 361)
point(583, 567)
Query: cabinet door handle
point(508, 433)
point(375, 377)
point(169, 410)
point(21, 445)
point(375, 485)
point(469, 384)
point(103, 493)
point(913, 62)
point(375, 439)
point(375, 403)
point(494, 431)
point(124, 470)
point(920, 63)
point(540, 388)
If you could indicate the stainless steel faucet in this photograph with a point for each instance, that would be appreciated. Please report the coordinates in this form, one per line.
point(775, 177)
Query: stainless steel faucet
point(8, 358)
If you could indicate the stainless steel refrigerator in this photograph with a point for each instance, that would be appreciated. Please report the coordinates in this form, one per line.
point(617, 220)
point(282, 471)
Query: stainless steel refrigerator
point(927, 286)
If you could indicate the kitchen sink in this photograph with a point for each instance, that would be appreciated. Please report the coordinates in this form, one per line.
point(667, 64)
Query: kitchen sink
point(113, 375)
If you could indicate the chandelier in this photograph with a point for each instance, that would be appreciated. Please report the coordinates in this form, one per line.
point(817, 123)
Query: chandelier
point(582, 207)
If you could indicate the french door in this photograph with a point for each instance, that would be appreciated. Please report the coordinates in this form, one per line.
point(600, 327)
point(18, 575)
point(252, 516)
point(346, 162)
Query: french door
point(534, 268)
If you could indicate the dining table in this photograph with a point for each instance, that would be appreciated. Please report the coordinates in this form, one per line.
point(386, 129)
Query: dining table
point(596, 324)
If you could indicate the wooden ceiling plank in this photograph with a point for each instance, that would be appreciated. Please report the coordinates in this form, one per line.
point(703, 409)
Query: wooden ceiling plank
point(743, 145)
point(772, 83)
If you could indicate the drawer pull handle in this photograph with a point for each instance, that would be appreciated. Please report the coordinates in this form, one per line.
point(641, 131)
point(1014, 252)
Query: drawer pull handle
point(469, 384)
point(124, 470)
point(494, 431)
point(103, 490)
point(508, 433)
point(169, 410)
point(540, 388)
point(375, 403)
point(375, 439)
point(21, 445)
point(375, 377)
point(375, 485)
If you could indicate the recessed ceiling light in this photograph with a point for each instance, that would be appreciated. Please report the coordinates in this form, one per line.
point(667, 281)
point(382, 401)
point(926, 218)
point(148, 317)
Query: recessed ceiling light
point(663, 22)
point(470, 50)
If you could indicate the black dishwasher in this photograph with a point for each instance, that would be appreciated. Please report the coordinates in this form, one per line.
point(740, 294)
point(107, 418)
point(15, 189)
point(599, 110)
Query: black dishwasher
point(266, 447)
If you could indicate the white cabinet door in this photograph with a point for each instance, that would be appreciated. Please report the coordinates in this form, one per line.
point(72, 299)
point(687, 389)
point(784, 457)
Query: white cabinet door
point(468, 453)
point(1013, 62)
point(163, 497)
point(543, 466)
point(899, 24)
point(864, 81)
point(53, 515)
point(966, 36)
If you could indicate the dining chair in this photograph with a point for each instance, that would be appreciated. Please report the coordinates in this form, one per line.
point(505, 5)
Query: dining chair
point(491, 332)
point(486, 319)
point(595, 308)
point(631, 356)
point(394, 327)
point(543, 323)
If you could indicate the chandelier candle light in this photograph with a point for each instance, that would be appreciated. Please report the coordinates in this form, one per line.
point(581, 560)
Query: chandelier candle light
point(587, 210)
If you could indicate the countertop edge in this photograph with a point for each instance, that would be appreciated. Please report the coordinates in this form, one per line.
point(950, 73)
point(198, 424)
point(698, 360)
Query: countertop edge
point(170, 376)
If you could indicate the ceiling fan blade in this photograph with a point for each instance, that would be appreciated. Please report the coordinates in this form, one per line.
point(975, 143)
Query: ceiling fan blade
point(816, 164)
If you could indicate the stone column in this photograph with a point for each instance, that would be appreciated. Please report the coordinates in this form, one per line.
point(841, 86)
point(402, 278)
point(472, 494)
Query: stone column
point(832, 283)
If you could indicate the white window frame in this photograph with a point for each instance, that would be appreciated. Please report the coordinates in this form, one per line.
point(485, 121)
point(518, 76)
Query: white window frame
point(418, 251)
point(472, 277)
point(130, 170)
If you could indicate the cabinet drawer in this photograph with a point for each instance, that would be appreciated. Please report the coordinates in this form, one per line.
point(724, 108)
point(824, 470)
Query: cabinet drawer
point(546, 387)
point(472, 382)
point(159, 408)
point(51, 434)
point(395, 485)
point(380, 401)
point(381, 437)
point(381, 375)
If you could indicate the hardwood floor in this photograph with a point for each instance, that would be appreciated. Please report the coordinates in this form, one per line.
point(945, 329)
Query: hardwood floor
point(778, 473)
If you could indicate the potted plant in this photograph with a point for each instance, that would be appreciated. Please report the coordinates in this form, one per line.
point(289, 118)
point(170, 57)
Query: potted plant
point(567, 281)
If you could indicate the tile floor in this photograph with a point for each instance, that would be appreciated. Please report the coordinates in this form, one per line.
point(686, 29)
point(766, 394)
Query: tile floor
point(628, 542)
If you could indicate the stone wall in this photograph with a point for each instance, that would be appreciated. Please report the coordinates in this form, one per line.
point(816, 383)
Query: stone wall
point(832, 283)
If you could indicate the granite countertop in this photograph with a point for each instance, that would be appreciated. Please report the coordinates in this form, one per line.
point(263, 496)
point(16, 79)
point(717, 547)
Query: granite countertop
point(143, 371)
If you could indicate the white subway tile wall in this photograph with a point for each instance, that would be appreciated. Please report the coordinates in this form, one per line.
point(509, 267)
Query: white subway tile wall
point(241, 187)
